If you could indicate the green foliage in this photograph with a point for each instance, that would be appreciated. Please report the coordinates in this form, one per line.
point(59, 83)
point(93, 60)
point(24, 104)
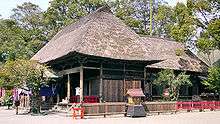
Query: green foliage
point(183, 28)
point(7, 100)
point(164, 21)
point(167, 79)
point(205, 44)
point(136, 14)
point(63, 12)
point(213, 81)
point(175, 22)
point(20, 73)
point(23, 35)
point(23, 73)
point(179, 52)
point(214, 32)
point(206, 15)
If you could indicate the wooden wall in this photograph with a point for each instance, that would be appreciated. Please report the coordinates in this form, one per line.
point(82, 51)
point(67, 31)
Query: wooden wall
point(93, 87)
point(115, 90)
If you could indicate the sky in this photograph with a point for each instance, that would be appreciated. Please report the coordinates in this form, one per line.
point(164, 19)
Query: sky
point(7, 5)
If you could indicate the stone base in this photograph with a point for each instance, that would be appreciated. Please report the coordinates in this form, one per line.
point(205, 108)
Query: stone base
point(136, 111)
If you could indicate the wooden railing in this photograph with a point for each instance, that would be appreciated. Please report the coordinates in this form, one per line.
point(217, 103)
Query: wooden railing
point(109, 108)
point(201, 105)
point(86, 99)
point(159, 107)
point(104, 108)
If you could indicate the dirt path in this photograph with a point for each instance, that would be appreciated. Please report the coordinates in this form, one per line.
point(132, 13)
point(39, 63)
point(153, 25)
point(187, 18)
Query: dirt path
point(9, 117)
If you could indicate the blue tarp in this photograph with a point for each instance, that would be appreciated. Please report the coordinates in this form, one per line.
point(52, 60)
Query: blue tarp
point(48, 91)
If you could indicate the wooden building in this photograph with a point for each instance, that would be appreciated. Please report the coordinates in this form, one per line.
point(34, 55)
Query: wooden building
point(104, 57)
point(177, 57)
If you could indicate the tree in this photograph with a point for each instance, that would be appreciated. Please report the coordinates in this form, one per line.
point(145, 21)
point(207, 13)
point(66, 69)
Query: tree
point(164, 21)
point(136, 14)
point(176, 22)
point(22, 35)
point(213, 81)
point(29, 17)
point(206, 14)
point(183, 29)
point(63, 12)
point(167, 79)
point(28, 73)
point(124, 10)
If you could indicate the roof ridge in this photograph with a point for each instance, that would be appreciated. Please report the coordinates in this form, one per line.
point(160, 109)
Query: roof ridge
point(148, 36)
point(83, 20)
point(104, 8)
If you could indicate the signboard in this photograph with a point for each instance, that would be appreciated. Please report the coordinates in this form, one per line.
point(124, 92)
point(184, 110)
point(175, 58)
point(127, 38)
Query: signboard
point(77, 91)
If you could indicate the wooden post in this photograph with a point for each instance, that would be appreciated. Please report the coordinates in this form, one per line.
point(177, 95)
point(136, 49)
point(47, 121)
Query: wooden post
point(81, 83)
point(124, 83)
point(68, 87)
point(145, 78)
point(151, 94)
point(101, 83)
point(90, 88)
point(58, 98)
point(148, 85)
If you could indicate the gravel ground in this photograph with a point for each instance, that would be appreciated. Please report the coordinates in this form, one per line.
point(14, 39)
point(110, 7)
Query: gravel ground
point(208, 117)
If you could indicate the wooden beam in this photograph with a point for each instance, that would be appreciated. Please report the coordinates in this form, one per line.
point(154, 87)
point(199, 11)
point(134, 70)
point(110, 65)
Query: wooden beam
point(81, 83)
point(101, 83)
point(68, 71)
point(77, 69)
point(91, 68)
point(68, 87)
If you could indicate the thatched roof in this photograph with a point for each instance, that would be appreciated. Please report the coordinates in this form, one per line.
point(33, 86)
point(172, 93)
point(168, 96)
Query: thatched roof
point(213, 59)
point(98, 34)
point(174, 54)
point(101, 34)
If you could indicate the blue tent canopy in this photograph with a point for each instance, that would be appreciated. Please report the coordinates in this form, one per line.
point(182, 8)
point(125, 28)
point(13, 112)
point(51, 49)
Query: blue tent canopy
point(48, 91)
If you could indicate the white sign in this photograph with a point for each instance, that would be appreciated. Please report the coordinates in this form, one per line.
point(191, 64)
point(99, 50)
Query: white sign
point(77, 91)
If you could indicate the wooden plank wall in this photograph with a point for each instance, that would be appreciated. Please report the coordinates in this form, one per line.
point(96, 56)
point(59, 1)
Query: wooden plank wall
point(115, 90)
point(94, 85)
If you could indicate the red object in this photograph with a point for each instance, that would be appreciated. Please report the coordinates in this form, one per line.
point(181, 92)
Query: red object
point(86, 99)
point(166, 92)
point(81, 110)
point(212, 105)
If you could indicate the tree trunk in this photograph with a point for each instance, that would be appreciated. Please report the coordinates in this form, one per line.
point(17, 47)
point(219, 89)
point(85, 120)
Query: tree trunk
point(35, 103)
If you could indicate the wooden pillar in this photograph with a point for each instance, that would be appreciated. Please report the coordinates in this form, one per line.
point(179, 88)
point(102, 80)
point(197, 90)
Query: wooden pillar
point(68, 87)
point(58, 98)
point(101, 83)
point(124, 83)
point(151, 89)
point(90, 88)
point(145, 78)
point(148, 85)
point(197, 89)
point(187, 91)
point(81, 83)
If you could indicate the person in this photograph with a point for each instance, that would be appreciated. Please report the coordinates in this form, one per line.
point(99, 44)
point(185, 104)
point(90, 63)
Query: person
point(17, 103)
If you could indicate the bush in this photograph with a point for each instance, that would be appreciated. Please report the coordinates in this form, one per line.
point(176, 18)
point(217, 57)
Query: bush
point(7, 99)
